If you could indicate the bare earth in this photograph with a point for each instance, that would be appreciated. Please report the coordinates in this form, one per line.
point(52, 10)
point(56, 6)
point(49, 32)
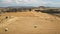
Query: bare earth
point(29, 23)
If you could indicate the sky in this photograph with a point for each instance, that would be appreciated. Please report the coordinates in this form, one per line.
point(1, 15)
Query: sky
point(48, 3)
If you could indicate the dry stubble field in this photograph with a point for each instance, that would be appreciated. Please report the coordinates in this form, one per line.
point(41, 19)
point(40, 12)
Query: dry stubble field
point(29, 23)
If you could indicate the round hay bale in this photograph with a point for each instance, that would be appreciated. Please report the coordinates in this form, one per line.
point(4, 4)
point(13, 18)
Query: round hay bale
point(6, 29)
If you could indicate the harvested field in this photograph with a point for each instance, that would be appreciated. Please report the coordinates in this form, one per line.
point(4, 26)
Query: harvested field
point(29, 23)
